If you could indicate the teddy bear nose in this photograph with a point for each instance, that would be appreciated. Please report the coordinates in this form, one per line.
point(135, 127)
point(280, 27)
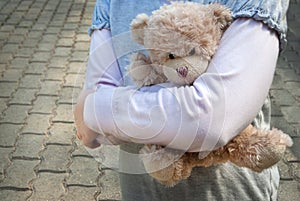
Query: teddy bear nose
point(182, 71)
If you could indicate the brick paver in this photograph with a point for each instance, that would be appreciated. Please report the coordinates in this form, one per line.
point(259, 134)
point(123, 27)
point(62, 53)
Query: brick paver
point(43, 54)
point(286, 106)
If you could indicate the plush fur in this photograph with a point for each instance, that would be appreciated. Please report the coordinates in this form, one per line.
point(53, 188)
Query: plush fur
point(181, 39)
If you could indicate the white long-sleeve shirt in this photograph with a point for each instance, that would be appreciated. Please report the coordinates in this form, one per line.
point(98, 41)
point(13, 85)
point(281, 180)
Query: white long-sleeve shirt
point(201, 117)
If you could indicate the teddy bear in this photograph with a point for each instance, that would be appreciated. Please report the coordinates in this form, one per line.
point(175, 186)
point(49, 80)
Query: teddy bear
point(181, 39)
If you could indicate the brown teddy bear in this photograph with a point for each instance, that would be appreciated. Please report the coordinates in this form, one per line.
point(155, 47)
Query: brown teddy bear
point(180, 46)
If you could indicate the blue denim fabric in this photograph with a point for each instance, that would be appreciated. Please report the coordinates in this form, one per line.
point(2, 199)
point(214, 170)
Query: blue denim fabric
point(117, 15)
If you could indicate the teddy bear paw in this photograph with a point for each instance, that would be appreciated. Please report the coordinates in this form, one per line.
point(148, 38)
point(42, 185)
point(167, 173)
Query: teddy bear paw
point(268, 149)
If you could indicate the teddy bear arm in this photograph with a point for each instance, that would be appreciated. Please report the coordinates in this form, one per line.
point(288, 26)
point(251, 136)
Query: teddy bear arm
point(142, 71)
point(258, 149)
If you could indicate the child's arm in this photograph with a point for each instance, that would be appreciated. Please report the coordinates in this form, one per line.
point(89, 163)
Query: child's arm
point(201, 117)
point(102, 69)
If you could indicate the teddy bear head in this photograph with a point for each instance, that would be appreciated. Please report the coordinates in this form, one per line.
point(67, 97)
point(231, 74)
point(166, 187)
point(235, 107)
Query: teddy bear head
point(181, 38)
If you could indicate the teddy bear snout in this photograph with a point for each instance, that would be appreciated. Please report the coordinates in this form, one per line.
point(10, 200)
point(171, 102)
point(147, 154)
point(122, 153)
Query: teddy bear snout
point(182, 71)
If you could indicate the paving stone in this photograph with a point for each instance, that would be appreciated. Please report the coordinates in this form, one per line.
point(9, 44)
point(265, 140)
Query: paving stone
point(20, 173)
point(11, 75)
point(73, 19)
point(24, 52)
point(281, 123)
point(4, 35)
point(56, 23)
point(41, 57)
point(30, 81)
point(10, 48)
point(8, 134)
point(16, 39)
point(67, 34)
point(295, 166)
point(50, 88)
point(5, 58)
point(83, 28)
point(19, 62)
point(36, 68)
point(49, 38)
point(83, 46)
point(282, 97)
point(65, 42)
point(296, 148)
point(58, 62)
point(46, 46)
point(34, 36)
point(290, 54)
point(81, 193)
point(14, 21)
point(30, 42)
point(288, 74)
point(82, 38)
point(21, 31)
point(81, 56)
point(292, 113)
point(61, 133)
point(295, 66)
point(3, 104)
point(70, 26)
point(275, 110)
point(4, 160)
point(83, 171)
point(15, 114)
point(53, 30)
point(55, 74)
point(64, 113)
point(37, 124)
point(77, 67)
point(288, 190)
point(29, 146)
point(48, 186)
point(293, 88)
point(62, 51)
point(110, 186)
point(6, 27)
point(56, 158)
point(7, 88)
point(80, 150)
point(74, 80)
point(44, 104)
point(69, 95)
point(23, 96)
point(9, 195)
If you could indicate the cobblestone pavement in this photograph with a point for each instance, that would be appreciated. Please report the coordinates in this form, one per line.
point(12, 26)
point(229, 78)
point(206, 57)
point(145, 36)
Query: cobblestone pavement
point(285, 96)
point(43, 53)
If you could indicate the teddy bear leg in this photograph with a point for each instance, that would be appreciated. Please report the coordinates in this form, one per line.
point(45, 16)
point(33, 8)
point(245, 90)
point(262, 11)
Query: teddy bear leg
point(258, 149)
point(142, 71)
point(164, 166)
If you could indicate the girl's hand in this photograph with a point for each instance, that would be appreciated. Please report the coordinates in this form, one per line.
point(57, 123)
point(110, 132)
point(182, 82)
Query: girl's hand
point(85, 134)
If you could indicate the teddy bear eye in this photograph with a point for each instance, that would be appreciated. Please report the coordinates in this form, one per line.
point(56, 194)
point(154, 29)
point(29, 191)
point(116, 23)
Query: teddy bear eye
point(171, 56)
point(192, 52)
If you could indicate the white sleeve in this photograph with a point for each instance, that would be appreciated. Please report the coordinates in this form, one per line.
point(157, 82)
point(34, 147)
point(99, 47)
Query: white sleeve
point(102, 64)
point(201, 117)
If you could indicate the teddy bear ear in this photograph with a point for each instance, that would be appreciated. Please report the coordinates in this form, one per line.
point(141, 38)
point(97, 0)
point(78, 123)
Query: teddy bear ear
point(222, 15)
point(138, 26)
